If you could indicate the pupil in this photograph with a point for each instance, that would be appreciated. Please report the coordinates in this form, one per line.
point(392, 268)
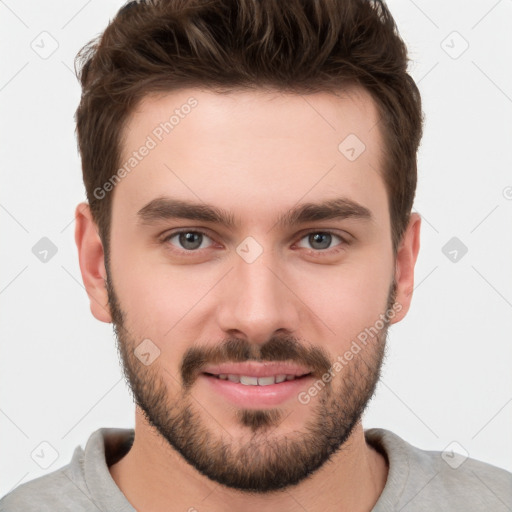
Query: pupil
point(190, 240)
point(324, 239)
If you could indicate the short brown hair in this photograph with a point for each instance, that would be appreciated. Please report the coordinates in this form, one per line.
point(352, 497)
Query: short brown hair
point(298, 46)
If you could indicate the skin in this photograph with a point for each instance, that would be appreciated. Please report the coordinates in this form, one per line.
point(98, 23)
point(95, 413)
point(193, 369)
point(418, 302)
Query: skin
point(257, 155)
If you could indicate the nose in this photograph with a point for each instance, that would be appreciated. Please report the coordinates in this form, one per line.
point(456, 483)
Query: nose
point(257, 302)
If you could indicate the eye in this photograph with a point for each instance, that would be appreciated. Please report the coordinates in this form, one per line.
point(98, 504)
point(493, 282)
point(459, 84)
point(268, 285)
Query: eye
point(322, 240)
point(188, 240)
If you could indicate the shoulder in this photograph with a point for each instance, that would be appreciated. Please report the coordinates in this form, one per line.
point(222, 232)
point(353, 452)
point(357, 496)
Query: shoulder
point(83, 485)
point(63, 489)
point(444, 480)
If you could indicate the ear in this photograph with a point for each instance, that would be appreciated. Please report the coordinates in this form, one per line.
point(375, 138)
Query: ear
point(92, 262)
point(404, 266)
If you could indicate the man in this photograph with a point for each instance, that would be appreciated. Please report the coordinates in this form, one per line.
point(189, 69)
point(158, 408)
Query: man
point(250, 169)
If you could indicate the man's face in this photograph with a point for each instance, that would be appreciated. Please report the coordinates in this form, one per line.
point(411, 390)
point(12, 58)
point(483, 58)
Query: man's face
point(281, 294)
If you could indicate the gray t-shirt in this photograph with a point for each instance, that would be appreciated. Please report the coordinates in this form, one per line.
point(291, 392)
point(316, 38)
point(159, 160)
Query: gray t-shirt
point(417, 481)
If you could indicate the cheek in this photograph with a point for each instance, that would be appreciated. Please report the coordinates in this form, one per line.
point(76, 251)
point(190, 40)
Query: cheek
point(159, 299)
point(344, 300)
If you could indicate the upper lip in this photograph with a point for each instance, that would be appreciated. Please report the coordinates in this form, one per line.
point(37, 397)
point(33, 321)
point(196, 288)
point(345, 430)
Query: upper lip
point(256, 369)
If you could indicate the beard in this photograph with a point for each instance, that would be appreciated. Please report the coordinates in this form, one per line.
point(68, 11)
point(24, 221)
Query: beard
point(261, 460)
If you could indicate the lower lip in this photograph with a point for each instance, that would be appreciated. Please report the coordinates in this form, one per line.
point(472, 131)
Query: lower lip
point(256, 396)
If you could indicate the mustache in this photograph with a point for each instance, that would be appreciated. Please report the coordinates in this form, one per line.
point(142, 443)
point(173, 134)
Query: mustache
point(237, 350)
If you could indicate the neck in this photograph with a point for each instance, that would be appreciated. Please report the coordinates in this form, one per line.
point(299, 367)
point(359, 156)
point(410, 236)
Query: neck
point(154, 477)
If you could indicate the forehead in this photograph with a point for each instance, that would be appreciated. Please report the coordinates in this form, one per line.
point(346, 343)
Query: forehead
point(260, 112)
point(266, 146)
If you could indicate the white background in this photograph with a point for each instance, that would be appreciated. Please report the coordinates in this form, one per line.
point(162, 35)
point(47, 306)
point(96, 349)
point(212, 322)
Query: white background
point(447, 377)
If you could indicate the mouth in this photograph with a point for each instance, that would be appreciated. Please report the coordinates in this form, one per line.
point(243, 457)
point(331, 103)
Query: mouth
point(256, 384)
point(253, 380)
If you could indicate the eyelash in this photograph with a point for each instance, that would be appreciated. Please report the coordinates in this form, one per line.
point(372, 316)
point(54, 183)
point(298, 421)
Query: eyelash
point(333, 250)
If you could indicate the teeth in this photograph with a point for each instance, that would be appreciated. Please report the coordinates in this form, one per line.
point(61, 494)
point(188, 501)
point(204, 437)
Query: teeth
point(265, 381)
point(247, 380)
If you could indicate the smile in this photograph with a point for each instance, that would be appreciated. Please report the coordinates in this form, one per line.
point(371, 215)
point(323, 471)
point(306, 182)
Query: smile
point(248, 380)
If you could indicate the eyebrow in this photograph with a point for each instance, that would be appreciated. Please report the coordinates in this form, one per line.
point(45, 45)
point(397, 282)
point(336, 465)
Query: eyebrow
point(167, 208)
